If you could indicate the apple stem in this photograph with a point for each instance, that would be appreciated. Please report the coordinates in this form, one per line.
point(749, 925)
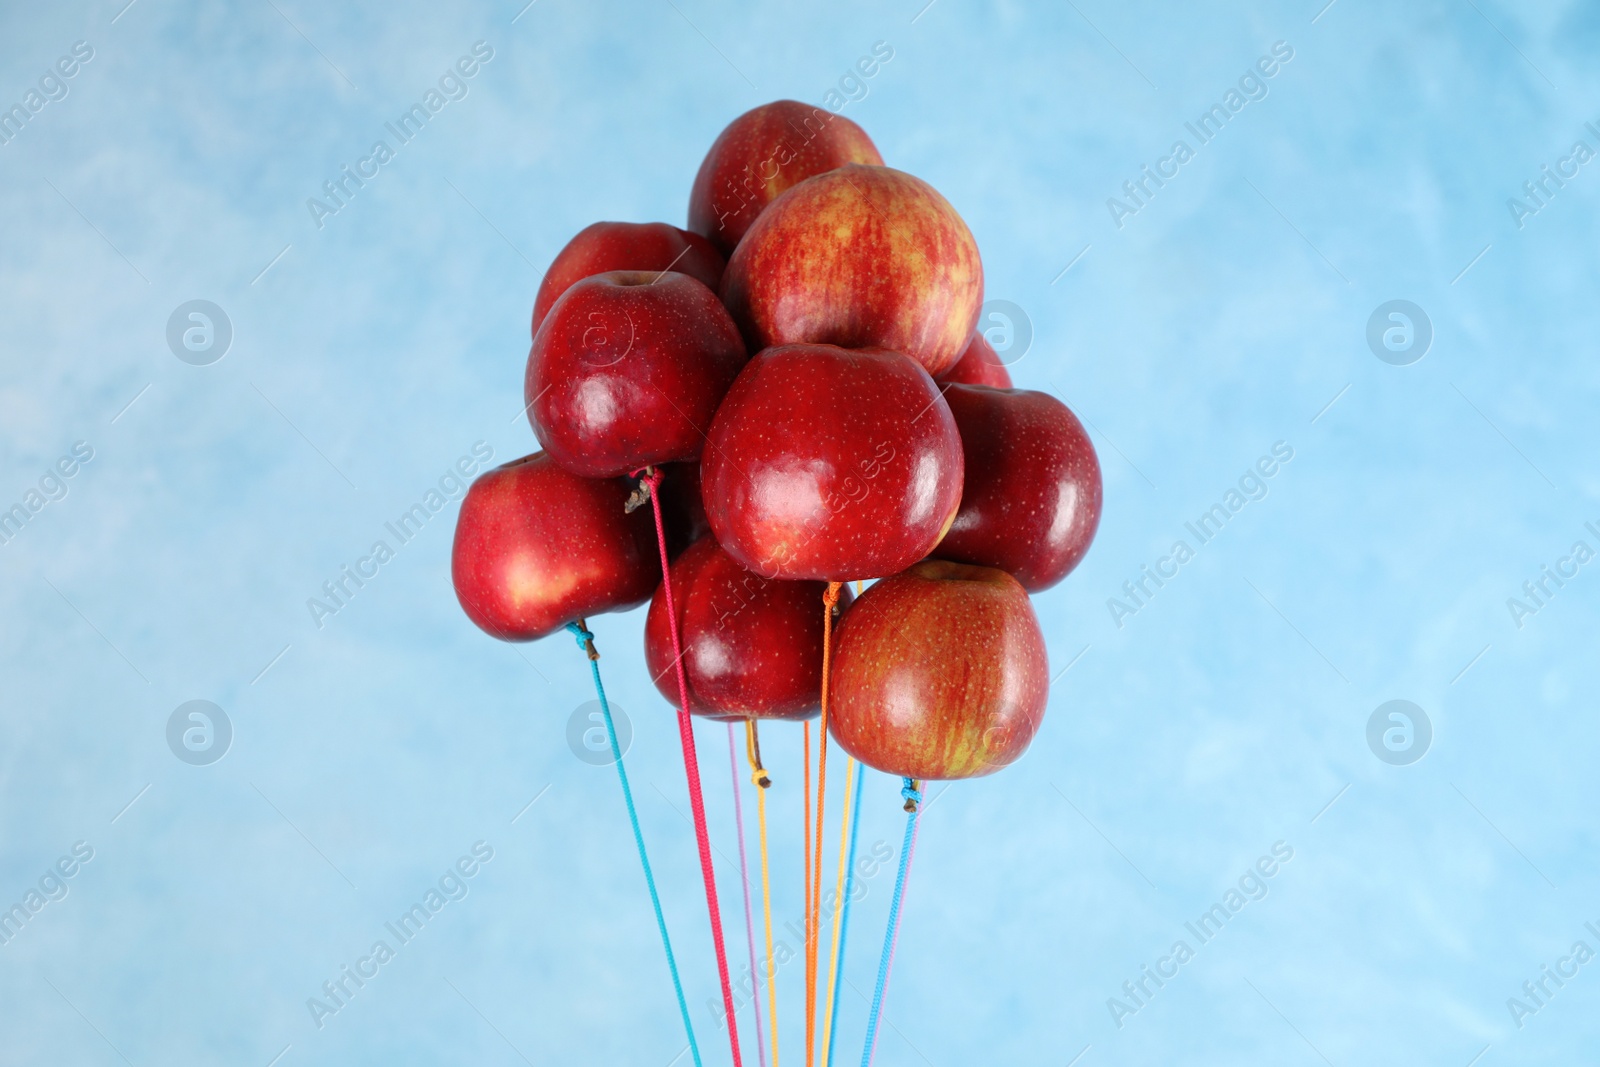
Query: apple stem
point(758, 772)
point(588, 641)
point(641, 492)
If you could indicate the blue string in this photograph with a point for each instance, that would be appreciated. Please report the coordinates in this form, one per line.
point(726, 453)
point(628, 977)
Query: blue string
point(844, 917)
point(914, 800)
point(586, 642)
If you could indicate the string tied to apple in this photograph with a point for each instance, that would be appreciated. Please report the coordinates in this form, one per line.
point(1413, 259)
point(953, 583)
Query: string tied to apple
point(813, 870)
point(704, 371)
point(640, 494)
point(585, 639)
point(910, 789)
point(758, 774)
point(650, 478)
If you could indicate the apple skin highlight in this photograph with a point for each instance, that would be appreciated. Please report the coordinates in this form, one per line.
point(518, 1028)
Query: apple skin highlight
point(537, 547)
point(627, 370)
point(831, 464)
point(1032, 495)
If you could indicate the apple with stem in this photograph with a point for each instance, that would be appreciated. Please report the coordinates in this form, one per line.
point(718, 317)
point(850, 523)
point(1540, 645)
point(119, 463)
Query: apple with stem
point(536, 548)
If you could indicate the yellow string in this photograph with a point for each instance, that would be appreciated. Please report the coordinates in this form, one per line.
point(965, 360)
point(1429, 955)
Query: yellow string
point(758, 775)
point(838, 909)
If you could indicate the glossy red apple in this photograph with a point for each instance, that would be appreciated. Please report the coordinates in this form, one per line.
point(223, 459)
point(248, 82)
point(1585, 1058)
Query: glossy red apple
point(760, 154)
point(979, 365)
point(1032, 496)
point(752, 646)
point(861, 257)
point(831, 463)
point(606, 246)
point(537, 548)
point(628, 369)
point(939, 672)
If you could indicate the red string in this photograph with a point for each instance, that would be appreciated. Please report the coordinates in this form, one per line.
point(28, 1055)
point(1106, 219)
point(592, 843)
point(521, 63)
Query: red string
point(691, 767)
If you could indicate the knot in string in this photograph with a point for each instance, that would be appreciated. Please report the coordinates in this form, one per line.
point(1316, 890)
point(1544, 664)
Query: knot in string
point(912, 794)
point(830, 595)
point(585, 639)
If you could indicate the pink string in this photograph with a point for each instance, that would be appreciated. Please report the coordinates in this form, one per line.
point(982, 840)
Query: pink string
point(691, 768)
point(744, 880)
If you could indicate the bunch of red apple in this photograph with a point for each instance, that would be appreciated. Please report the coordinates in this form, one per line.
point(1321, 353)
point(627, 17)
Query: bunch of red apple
point(802, 369)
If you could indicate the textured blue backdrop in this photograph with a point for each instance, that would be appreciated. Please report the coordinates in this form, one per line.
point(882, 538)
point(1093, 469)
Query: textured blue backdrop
point(1195, 325)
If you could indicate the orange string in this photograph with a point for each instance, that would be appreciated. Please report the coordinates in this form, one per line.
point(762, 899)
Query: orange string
point(830, 600)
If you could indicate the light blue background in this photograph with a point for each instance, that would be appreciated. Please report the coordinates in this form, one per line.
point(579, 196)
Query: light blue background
point(1222, 718)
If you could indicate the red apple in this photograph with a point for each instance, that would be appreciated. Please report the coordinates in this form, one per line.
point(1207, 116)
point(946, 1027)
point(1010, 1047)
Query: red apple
point(939, 672)
point(862, 257)
point(832, 464)
point(760, 154)
point(606, 246)
point(752, 646)
point(979, 365)
point(536, 548)
point(1032, 495)
point(627, 370)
